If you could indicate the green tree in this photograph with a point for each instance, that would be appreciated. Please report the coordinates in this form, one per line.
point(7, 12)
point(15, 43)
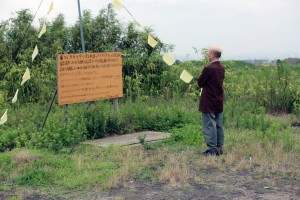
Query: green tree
point(143, 66)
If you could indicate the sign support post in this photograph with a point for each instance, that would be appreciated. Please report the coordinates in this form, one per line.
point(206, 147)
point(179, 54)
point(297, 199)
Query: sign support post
point(49, 108)
point(115, 101)
point(81, 27)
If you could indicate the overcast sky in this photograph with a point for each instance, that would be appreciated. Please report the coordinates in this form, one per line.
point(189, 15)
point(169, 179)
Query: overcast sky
point(244, 29)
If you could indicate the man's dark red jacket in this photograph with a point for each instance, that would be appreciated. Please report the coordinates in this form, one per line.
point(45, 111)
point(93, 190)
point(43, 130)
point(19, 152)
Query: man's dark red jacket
point(211, 80)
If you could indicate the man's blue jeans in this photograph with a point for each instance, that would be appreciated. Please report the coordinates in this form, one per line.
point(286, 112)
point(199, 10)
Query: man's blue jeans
point(213, 131)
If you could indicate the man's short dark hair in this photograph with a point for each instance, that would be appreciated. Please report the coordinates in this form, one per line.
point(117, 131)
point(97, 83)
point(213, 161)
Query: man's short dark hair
point(217, 54)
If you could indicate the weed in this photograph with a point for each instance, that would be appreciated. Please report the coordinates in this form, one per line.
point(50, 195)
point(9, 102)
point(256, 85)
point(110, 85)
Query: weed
point(142, 138)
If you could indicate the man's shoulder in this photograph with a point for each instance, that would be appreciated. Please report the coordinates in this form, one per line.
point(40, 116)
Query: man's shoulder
point(216, 64)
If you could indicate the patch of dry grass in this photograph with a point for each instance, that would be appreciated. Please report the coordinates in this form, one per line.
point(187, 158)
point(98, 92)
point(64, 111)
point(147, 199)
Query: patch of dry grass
point(175, 171)
point(23, 157)
point(252, 157)
point(229, 159)
point(242, 165)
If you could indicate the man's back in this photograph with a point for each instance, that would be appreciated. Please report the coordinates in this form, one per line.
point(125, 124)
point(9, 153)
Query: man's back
point(211, 80)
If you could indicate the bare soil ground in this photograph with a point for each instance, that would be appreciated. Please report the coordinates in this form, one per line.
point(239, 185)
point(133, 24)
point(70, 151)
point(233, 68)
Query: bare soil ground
point(212, 185)
point(215, 185)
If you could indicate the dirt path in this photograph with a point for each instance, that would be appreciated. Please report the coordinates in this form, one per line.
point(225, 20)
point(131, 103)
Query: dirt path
point(216, 185)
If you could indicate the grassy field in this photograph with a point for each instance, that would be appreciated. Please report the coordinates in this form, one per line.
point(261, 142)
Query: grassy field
point(81, 169)
point(262, 143)
point(84, 169)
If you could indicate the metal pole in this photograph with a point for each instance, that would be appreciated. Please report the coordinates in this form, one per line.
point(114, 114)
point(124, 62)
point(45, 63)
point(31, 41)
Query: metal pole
point(116, 105)
point(49, 108)
point(66, 114)
point(82, 37)
point(65, 108)
point(81, 29)
point(115, 101)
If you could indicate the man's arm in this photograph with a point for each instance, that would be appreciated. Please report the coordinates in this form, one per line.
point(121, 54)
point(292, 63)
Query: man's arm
point(203, 77)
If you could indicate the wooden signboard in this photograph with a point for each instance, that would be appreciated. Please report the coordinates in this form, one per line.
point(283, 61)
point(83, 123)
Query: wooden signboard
point(89, 77)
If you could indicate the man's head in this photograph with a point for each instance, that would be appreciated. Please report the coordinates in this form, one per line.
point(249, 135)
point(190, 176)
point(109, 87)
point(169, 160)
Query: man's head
point(214, 53)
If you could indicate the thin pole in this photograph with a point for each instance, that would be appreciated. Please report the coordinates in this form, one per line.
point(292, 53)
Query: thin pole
point(66, 108)
point(82, 37)
point(66, 114)
point(115, 101)
point(81, 29)
point(50, 106)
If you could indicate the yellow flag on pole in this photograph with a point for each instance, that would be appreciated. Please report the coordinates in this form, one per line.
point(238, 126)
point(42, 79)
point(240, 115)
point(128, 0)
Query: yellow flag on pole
point(14, 100)
point(168, 59)
point(3, 119)
point(186, 76)
point(151, 41)
point(26, 76)
point(117, 4)
point(50, 8)
point(35, 52)
point(43, 30)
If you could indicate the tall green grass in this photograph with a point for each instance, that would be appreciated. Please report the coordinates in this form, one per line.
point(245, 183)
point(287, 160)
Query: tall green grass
point(99, 120)
point(91, 122)
point(251, 92)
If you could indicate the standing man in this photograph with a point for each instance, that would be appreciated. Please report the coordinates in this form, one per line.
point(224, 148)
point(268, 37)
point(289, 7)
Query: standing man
point(211, 103)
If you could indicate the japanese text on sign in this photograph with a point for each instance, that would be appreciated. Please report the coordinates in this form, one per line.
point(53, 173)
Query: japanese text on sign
point(89, 77)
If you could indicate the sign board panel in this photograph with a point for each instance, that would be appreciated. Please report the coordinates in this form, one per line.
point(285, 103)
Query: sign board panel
point(88, 77)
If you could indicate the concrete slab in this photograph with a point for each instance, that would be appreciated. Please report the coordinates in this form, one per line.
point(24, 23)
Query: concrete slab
point(129, 139)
